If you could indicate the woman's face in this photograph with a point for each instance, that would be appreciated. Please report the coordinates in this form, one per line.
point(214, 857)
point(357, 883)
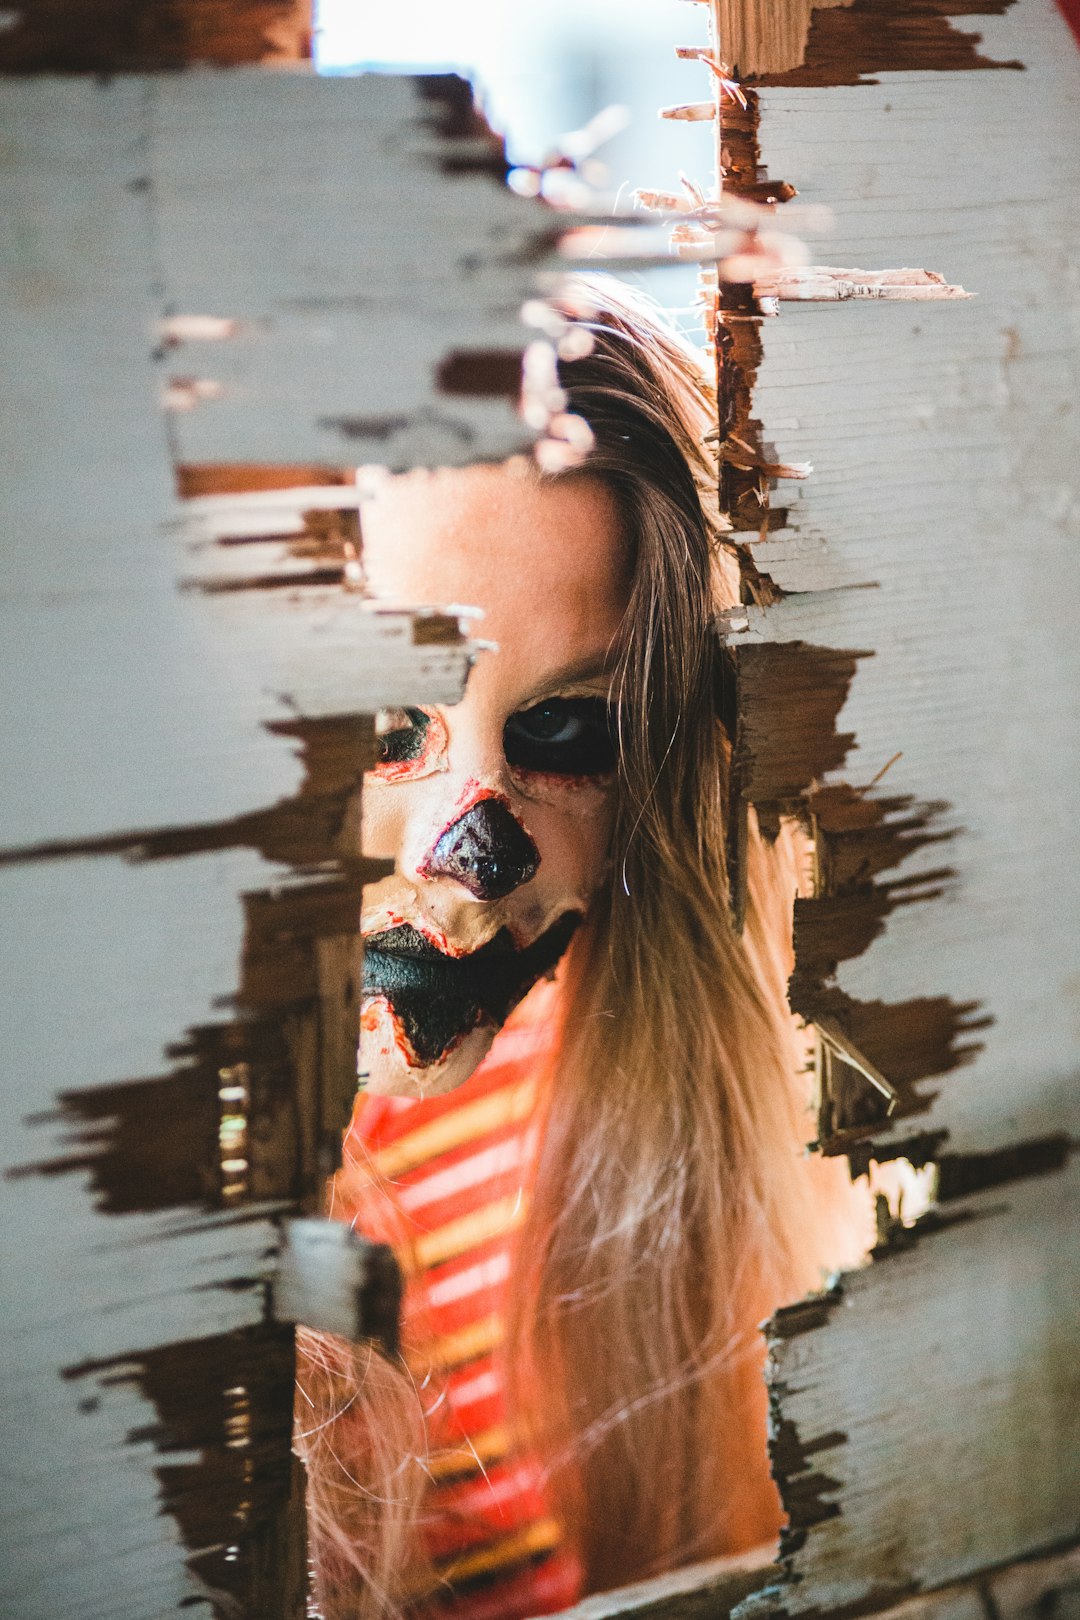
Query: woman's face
point(497, 810)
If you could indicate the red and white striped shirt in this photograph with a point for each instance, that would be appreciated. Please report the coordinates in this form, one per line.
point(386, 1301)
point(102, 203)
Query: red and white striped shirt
point(456, 1170)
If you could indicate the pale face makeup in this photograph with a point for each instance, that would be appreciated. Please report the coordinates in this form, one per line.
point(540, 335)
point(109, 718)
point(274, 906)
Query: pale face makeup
point(497, 811)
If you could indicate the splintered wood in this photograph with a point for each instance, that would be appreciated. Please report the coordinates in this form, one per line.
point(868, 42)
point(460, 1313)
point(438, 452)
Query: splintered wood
point(301, 286)
point(110, 36)
point(820, 284)
point(946, 1373)
point(887, 688)
point(218, 293)
point(883, 687)
point(192, 671)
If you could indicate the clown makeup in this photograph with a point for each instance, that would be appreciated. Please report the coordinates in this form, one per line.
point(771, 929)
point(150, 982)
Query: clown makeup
point(412, 743)
point(497, 811)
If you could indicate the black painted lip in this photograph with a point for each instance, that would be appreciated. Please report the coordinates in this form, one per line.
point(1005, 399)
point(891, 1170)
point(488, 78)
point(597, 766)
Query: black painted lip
point(438, 998)
point(403, 956)
point(405, 940)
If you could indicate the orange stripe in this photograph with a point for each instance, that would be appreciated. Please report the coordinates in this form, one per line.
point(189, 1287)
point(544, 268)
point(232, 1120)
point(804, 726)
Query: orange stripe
point(482, 1448)
point(535, 1538)
point(450, 1130)
point(454, 1349)
point(468, 1231)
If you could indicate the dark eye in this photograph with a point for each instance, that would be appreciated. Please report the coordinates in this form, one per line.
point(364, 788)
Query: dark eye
point(404, 737)
point(562, 737)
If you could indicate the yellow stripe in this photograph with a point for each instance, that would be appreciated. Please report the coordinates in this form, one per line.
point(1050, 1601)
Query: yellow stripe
point(453, 1349)
point(468, 1231)
point(459, 1125)
point(486, 1447)
point(526, 1543)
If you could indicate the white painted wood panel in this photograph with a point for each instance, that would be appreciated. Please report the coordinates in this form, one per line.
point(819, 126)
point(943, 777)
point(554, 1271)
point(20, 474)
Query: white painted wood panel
point(113, 679)
point(937, 1406)
point(137, 702)
point(104, 965)
point(946, 442)
point(344, 255)
point(926, 1416)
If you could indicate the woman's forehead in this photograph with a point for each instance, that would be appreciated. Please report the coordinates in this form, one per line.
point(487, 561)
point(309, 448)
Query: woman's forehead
point(544, 559)
point(494, 537)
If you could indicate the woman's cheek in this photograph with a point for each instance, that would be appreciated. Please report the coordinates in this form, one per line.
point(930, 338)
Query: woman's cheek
point(383, 814)
point(583, 797)
point(572, 821)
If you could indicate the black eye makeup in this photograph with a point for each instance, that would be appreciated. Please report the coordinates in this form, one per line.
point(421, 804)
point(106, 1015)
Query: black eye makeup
point(412, 743)
point(573, 736)
point(404, 736)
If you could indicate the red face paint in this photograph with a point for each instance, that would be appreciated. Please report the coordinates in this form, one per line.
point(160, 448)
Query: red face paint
point(415, 748)
point(471, 794)
point(556, 782)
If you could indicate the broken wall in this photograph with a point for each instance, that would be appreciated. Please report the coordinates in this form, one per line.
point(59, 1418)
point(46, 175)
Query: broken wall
point(928, 1421)
point(210, 310)
point(190, 665)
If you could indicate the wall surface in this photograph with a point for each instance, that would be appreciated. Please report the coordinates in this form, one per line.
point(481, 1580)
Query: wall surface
point(927, 1412)
point(204, 277)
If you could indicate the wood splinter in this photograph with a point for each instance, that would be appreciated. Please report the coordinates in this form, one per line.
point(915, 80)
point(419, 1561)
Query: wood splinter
point(730, 211)
point(832, 1036)
point(720, 70)
point(816, 283)
point(691, 112)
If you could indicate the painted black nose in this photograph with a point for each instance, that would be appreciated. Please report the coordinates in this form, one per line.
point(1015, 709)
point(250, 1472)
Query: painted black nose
point(487, 850)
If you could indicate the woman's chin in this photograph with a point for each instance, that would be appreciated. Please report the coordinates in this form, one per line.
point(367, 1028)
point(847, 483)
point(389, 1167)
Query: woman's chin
point(388, 1067)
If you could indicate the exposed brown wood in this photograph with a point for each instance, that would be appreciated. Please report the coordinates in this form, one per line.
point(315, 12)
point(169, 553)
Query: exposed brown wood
point(130, 36)
point(850, 44)
point(239, 1503)
point(481, 371)
point(733, 320)
point(788, 699)
point(206, 478)
point(759, 35)
point(858, 837)
point(844, 41)
point(962, 1174)
point(825, 284)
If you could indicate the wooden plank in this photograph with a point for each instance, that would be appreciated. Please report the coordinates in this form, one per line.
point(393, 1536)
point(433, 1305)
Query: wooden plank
point(927, 1412)
point(179, 901)
point(1020, 1591)
point(758, 37)
point(921, 589)
point(1023, 1590)
point(134, 735)
point(712, 1588)
point(944, 448)
point(354, 271)
point(110, 36)
point(86, 1001)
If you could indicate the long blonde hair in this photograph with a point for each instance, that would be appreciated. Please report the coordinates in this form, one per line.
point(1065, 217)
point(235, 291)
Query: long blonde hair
point(671, 1207)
